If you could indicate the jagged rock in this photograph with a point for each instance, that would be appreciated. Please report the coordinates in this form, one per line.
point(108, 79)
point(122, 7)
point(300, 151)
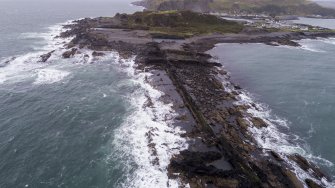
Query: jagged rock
point(195, 163)
point(288, 42)
point(7, 62)
point(95, 54)
point(276, 156)
point(242, 122)
point(258, 122)
point(69, 53)
point(308, 166)
point(217, 84)
point(296, 183)
point(46, 56)
point(311, 184)
point(237, 87)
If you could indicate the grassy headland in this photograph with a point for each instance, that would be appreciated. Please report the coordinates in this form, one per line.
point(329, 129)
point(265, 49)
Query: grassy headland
point(178, 23)
point(269, 7)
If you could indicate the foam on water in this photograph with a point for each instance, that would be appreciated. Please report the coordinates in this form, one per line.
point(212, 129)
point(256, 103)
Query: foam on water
point(311, 48)
point(273, 138)
point(277, 136)
point(20, 64)
point(21, 67)
point(49, 38)
point(329, 41)
point(147, 137)
point(50, 76)
point(306, 45)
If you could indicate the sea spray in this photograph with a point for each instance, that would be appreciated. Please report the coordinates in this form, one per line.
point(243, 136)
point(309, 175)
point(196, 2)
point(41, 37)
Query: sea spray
point(147, 137)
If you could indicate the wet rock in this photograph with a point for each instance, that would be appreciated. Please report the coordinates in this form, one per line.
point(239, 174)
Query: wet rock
point(217, 84)
point(288, 42)
point(308, 166)
point(301, 161)
point(69, 53)
point(182, 118)
point(311, 184)
point(258, 122)
point(46, 56)
point(242, 122)
point(227, 183)
point(195, 163)
point(95, 54)
point(295, 182)
point(242, 108)
point(223, 72)
point(237, 87)
point(7, 62)
point(276, 156)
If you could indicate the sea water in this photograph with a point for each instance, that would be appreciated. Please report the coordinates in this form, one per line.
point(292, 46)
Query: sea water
point(295, 90)
point(78, 122)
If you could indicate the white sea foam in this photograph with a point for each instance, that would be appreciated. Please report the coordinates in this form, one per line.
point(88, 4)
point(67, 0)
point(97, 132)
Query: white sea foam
point(50, 38)
point(310, 48)
point(329, 41)
point(49, 76)
point(144, 129)
point(17, 68)
point(21, 67)
point(306, 45)
point(273, 138)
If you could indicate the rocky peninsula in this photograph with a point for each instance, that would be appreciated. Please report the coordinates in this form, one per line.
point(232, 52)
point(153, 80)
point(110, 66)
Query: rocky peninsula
point(172, 46)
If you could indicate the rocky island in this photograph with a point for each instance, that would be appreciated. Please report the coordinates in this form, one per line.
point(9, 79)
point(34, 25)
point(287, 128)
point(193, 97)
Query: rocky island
point(172, 45)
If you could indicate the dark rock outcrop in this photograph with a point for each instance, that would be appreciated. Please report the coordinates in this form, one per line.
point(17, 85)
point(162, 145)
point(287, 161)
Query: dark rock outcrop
point(95, 54)
point(46, 56)
point(69, 53)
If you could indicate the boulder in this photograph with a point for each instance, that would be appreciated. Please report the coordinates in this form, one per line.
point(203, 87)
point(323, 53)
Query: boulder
point(295, 182)
point(69, 53)
point(242, 122)
point(46, 56)
point(258, 122)
point(311, 184)
point(95, 54)
point(308, 166)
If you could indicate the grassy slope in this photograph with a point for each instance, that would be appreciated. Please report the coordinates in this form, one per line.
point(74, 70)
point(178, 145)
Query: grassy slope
point(180, 23)
point(276, 7)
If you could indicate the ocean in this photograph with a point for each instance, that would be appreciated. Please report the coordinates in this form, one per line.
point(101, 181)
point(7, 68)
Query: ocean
point(78, 122)
point(81, 122)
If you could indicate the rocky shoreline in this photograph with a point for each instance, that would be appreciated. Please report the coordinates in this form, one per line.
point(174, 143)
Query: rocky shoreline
point(222, 151)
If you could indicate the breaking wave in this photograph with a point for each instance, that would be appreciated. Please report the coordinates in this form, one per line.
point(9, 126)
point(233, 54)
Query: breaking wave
point(19, 68)
point(49, 76)
point(147, 138)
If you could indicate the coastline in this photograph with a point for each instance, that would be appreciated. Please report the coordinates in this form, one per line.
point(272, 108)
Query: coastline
point(221, 149)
